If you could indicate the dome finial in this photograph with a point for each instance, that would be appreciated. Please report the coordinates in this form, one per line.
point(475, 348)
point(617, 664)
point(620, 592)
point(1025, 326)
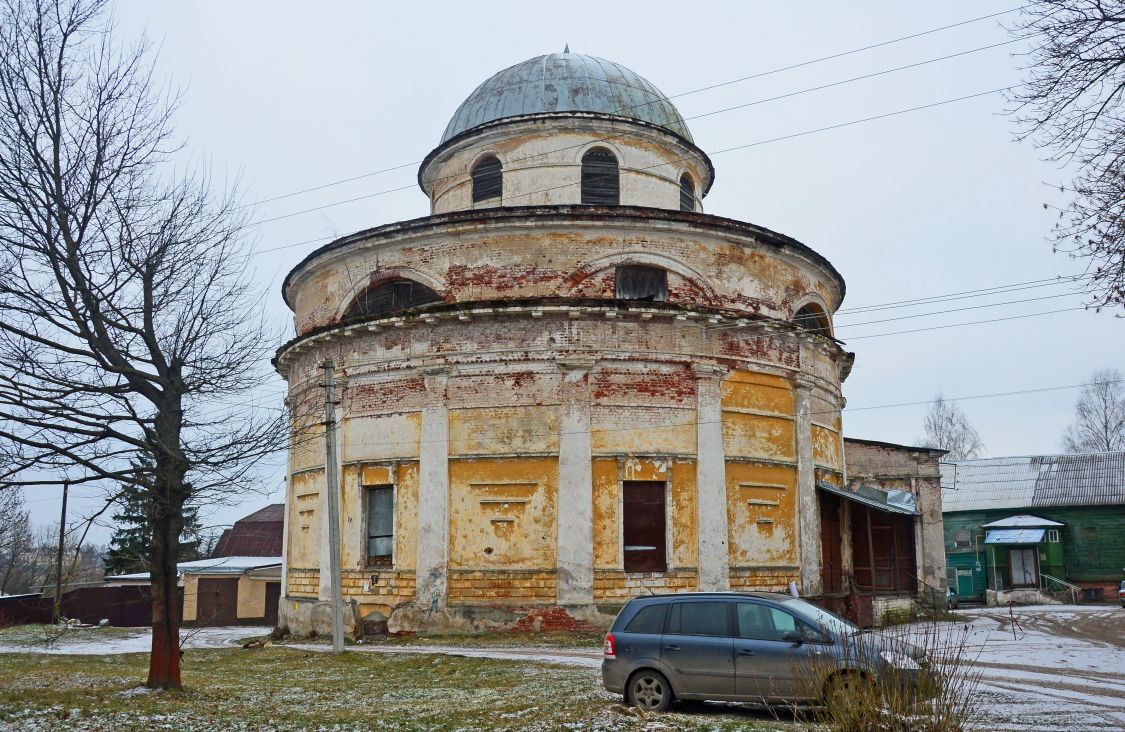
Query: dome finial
point(566, 48)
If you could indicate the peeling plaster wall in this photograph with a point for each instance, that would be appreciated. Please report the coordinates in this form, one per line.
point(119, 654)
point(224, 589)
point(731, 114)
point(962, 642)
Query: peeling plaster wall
point(542, 164)
point(525, 256)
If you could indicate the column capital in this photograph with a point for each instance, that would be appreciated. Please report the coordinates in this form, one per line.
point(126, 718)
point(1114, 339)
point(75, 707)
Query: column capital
point(577, 362)
point(708, 370)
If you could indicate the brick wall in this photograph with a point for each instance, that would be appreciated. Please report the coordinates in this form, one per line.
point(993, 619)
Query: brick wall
point(515, 586)
point(614, 585)
point(762, 578)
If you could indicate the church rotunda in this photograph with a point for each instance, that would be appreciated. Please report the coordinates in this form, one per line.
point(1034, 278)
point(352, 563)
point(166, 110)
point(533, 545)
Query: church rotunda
point(567, 385)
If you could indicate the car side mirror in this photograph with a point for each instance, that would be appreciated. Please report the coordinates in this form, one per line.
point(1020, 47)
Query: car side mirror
point(793, 636)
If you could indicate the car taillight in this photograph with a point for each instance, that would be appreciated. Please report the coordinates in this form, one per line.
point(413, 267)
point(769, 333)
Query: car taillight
point(610, 650)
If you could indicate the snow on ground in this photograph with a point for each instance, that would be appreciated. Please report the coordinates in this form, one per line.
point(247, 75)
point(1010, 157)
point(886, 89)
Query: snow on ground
point(94, 642)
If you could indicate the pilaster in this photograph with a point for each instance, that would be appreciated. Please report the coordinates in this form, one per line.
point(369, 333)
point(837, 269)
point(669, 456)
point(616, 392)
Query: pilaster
point(711, 480)
point(433, 493)
point(575, 503)
point(808, 508)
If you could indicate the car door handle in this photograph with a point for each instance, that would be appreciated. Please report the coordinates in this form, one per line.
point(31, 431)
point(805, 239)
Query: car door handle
point(671, 648)
point(746, 653)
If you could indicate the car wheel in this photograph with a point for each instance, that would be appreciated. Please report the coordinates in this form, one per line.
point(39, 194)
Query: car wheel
point(649, 691)
point(843, 688)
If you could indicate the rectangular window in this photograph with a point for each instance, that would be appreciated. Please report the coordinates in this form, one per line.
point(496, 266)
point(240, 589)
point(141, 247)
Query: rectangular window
point(380, 525)
point(1053, 536)
point(699, 618)
point(643, 526)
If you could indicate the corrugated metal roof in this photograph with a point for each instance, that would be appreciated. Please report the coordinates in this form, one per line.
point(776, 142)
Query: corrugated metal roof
point(1034, 481)
point(1014, 536)
point(566, 82)
point(893, 501)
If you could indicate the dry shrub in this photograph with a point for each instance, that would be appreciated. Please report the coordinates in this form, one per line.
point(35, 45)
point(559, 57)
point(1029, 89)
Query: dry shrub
point(940, 696)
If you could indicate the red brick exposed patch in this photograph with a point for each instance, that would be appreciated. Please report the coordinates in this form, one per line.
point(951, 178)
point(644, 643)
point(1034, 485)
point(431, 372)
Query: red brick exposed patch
point(675, 387)
point(386, 396)
point(545, 620)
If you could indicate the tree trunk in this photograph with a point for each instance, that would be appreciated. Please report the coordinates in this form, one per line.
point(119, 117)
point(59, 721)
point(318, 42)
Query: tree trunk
point(164, 663)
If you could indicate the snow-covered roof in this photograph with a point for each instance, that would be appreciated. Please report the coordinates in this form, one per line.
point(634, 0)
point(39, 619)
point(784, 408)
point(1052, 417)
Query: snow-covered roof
point(1023, 520)
point(1033, 481)
point(217, 565)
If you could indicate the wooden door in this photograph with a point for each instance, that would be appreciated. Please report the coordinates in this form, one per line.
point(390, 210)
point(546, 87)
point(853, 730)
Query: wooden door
point(644, 527)
point(273, 599)
point(217, 601)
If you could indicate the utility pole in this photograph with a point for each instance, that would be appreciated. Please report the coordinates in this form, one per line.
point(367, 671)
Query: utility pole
point(58, 558)
point(332, 486)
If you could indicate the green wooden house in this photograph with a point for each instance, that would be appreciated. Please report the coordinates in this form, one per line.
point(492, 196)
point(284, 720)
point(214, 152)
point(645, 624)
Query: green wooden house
point(1019, 528)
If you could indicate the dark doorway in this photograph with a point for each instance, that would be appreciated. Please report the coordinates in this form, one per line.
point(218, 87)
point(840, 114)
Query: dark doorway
point(273, 599)
point(217, 601)
point(831, 557)
point(643, 526)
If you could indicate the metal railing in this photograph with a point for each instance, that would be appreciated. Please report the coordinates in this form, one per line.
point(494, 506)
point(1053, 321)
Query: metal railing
point(1072, 590)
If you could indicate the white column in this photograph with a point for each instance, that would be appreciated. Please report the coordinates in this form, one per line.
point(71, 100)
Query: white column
point(711, 480)
point(808, 509)
point(575, 502)
point(433, 494)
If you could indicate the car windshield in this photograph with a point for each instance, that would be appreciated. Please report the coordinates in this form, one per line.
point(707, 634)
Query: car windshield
point(828, 619)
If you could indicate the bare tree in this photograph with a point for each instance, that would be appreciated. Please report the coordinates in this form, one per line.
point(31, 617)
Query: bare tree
point(1073, 104)
point(129, 331)
point(15, 541)
point(947, 428)
point(1099, 415)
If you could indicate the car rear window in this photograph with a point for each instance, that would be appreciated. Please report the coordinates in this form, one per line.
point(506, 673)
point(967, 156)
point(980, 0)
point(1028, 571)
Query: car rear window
point(699, 618)
point(649, 620)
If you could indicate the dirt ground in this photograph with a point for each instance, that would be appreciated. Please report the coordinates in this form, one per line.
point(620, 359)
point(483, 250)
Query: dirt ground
point(1042, 669)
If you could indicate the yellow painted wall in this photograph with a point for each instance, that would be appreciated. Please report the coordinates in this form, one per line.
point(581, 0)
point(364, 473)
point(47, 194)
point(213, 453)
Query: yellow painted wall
point(191, 597)
point(384, 437)
point(502, 513)
point(758, 414)
point(685, 526)
point(607, 514)
point(762, 514)
point(304, 519)
point(503, 430)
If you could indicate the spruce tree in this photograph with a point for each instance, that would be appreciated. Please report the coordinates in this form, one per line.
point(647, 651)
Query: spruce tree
point(129, 547)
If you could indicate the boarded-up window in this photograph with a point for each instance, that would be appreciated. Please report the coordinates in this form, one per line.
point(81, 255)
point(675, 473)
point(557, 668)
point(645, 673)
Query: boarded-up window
point(962, 539)
point(687, 193)
point(488, 179)
point(380, 525)
point(392, 296)
point(637, 282)
point(643, 526)
point(812, 318)
point(600, 178)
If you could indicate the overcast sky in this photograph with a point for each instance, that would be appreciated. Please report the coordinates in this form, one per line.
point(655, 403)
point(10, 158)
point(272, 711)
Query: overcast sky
point(936, 201)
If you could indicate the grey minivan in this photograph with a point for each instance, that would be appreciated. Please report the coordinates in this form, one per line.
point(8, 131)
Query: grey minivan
point(746, 646)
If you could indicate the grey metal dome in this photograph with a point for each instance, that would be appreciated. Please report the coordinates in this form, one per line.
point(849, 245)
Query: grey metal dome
point(566, 82)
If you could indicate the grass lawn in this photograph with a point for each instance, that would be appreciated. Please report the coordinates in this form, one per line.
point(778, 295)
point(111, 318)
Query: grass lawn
point(289, 689)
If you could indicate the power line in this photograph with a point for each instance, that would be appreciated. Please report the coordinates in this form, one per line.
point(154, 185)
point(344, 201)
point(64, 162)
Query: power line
point(739, 80)
point(998, 289)
point(756, 102)
point(758, 143)
point(958, 310)
point(960, 325)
